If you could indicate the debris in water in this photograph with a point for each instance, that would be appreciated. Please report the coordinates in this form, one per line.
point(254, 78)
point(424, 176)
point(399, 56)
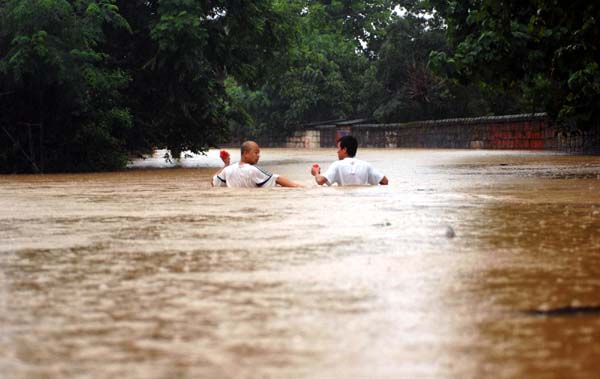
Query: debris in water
point(572, 310)
point(450, 232)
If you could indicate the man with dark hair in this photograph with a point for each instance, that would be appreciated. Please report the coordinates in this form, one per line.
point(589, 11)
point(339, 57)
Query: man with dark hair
point(245, 173)
point(349, 171)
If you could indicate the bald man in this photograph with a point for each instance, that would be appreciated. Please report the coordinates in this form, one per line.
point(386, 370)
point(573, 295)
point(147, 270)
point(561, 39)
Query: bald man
point(245, 173)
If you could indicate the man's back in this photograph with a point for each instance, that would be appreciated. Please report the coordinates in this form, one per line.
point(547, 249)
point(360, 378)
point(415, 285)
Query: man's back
point(352, 172)
point(245, 176)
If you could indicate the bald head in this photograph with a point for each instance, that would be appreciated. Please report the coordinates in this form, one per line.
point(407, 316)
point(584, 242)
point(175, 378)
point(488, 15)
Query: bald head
point(250, 152)
point(247, 146)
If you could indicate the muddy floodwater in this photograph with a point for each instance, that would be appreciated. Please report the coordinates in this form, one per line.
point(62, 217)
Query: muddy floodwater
point(470, 264)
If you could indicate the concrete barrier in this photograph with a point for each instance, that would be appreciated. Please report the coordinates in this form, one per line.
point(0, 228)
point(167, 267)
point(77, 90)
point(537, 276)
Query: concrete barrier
point(308, 139)
point(514, 132)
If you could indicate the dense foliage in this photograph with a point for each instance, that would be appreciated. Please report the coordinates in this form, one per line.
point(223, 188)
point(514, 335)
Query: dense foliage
point(410, 89)
point(545, 51)
point(86, 83)
point(381, 73)
point(178, 56)
point(329, 70)
point(61, 105)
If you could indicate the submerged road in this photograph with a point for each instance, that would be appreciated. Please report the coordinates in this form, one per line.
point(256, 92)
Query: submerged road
point(470, 264)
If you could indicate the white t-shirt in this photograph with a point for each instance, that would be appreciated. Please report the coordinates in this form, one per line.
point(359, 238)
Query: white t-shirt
point(352, 172)
point(245, 176)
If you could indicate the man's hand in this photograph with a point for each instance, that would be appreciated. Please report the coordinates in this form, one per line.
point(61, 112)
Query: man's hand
point(225, 157)
point(315, 170)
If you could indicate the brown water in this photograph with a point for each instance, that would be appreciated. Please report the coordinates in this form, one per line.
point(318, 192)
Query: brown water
point(153, 274)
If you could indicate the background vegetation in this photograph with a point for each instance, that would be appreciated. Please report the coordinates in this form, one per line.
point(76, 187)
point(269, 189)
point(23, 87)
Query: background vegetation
point(84, 84)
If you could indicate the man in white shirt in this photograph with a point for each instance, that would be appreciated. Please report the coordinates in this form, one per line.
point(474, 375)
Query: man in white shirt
point(349, 171)
point(246, 174)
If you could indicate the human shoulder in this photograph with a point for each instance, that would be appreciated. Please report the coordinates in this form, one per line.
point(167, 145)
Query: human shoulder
point(353, 162)
point(262, 170)
point(360, 161)
point(337, 163)
point(251, 169)
point(232, 167)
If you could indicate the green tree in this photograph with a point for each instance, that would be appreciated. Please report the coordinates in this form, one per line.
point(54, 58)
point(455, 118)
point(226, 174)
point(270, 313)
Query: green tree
point(60, 107)
point(410, 90)
point(179, 55)
point(85, 82)
point(546, 51)
point(360, 21)
point(329, 65)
